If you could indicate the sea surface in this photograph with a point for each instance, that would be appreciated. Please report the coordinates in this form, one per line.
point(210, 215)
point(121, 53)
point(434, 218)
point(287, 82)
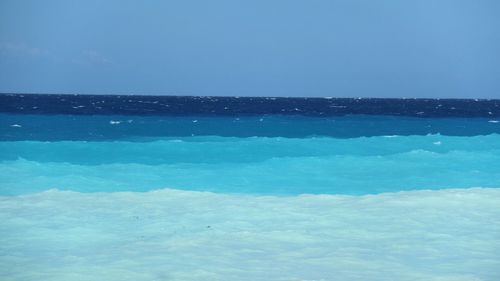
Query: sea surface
point(225, 188)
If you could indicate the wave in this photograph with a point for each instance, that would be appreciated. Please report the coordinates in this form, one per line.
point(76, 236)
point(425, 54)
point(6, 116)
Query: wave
point(337, 174)
point(235, 150)
point(184, 235)
point(258, 165)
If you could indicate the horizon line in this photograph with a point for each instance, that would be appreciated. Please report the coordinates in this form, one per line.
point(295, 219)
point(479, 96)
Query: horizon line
point(257, 96)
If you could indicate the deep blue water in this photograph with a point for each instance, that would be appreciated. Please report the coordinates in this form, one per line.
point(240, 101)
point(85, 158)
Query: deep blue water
point(238, 106)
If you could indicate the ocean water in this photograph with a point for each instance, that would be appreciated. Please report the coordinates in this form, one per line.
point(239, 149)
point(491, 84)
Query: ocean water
point(192, 188)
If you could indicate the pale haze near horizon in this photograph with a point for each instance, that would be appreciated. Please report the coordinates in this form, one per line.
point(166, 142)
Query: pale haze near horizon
point(432, 49)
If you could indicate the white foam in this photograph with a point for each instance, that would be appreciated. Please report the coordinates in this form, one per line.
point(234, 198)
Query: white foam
point(183, 235)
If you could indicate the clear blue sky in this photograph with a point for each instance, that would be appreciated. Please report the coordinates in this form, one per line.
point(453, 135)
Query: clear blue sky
point(350, 48)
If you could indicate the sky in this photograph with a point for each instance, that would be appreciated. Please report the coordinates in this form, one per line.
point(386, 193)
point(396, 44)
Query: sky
point(350, 48)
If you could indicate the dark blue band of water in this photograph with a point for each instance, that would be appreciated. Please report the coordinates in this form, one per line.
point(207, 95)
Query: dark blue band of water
point(236, 106)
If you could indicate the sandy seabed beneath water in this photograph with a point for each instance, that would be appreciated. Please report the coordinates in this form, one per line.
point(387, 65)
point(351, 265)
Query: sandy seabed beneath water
point(169, 234)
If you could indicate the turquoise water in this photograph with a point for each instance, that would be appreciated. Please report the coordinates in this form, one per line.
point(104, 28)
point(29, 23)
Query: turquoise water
point(255, 165)
point(249, 198)
point(260, 155)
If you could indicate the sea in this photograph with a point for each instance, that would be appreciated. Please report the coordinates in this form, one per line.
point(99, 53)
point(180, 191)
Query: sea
point(134, 187)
